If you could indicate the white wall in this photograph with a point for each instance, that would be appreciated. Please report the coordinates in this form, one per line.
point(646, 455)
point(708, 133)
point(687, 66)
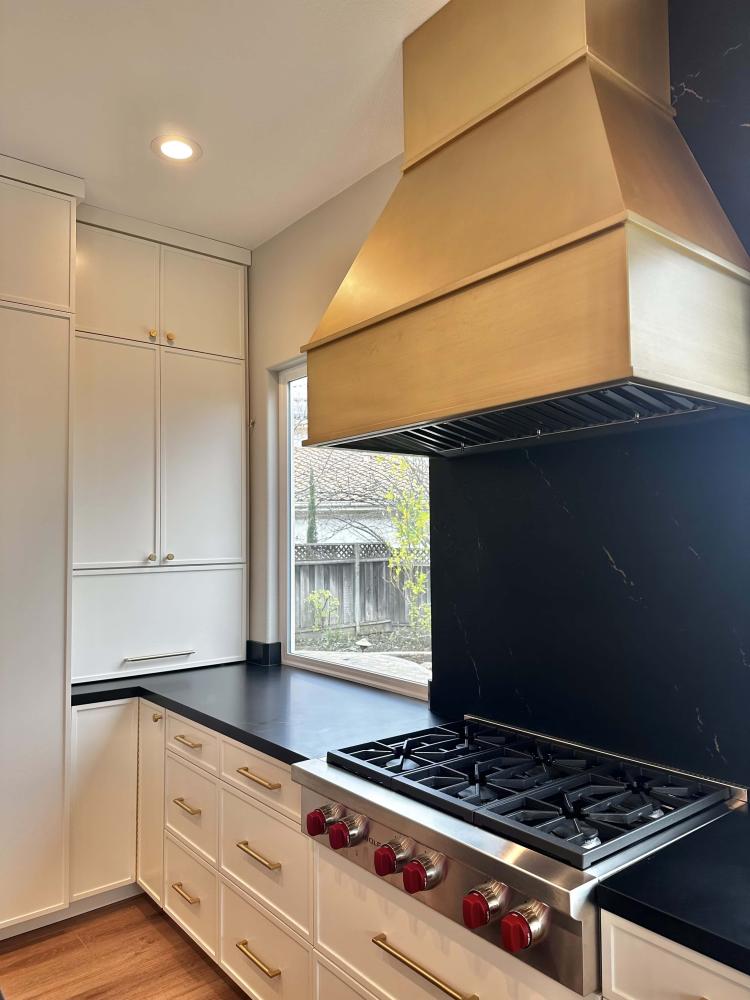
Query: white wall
point(293, 277)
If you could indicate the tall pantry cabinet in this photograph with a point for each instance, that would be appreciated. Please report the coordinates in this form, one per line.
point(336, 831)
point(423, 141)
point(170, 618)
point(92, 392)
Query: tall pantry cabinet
point(37, 243)
point(159, 470)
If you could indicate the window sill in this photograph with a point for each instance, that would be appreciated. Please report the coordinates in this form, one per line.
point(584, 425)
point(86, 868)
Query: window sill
point(410, 689)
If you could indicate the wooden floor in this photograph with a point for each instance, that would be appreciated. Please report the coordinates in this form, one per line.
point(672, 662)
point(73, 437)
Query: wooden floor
point(129, 951)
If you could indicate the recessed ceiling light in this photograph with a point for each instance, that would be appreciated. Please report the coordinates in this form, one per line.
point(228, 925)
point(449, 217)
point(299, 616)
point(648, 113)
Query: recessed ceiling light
point(176, 147)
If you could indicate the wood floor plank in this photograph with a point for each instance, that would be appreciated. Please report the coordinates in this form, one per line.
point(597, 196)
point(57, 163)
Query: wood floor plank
point(129, 951)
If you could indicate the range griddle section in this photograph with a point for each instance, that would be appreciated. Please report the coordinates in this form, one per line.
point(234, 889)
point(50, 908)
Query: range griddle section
point(571, 804)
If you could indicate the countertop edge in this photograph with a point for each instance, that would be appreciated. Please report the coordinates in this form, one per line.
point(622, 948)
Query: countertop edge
point(675, 929)
point(249, 739)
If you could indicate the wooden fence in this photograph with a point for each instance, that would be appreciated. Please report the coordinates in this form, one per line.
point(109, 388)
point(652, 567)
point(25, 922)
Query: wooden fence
point(356, 573)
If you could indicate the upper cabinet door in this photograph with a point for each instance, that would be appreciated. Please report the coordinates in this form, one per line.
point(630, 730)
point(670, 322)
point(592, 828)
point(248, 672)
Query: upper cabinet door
point(35, 246)
point(202, 304)
point(115, 453)
point(203, 467)
point(117, 285)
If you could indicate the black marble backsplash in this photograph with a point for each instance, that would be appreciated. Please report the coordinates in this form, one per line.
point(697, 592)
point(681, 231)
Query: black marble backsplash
point(598, 590)
point(709, 42)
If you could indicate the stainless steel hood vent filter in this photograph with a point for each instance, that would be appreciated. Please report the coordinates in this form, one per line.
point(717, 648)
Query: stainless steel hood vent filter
point(548, 418)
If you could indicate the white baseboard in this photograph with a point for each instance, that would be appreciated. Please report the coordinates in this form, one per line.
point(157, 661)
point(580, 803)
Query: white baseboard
point(74, 910)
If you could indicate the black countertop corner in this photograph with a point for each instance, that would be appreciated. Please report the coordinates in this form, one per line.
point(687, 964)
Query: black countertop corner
point(287, 713)
point(696, 891)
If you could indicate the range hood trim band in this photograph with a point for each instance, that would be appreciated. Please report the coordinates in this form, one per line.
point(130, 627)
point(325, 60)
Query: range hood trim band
point(536, 253)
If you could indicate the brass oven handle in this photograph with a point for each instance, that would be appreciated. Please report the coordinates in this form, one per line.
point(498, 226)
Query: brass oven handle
point(188, 743)
point(381, 942)
point(265, 969)
point(191, 810)
point(272, 866)
point(177, 886)
point(272, 786)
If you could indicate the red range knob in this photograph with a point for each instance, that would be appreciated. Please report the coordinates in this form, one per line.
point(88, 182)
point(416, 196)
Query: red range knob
point(515, 932)
point(423, 873)
point(321, 818)
point(390, 858)
point(524, 926)
point(347, 832)
point(415, 877)
point(338, 836)
point(385, 860)
point(485, 902)
point(316, 822)
point(476, 910)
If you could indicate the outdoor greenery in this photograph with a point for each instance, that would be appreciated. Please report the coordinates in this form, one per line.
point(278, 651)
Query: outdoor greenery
point(408, 506)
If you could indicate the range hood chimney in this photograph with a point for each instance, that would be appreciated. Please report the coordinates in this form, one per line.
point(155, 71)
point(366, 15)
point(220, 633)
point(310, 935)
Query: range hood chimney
point(552, 258)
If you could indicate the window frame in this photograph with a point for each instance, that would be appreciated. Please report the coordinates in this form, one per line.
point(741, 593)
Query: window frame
point(412, 689)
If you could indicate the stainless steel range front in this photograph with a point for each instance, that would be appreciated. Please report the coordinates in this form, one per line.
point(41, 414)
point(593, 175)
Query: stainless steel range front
point(502, 831)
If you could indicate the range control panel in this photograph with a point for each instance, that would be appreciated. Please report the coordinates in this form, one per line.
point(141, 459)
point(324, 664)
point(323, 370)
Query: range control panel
point(495, 910)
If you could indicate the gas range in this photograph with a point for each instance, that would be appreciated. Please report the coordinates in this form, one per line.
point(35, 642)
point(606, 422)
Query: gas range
point(505, 832)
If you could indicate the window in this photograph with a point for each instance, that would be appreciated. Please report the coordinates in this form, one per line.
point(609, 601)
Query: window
point(356, 587)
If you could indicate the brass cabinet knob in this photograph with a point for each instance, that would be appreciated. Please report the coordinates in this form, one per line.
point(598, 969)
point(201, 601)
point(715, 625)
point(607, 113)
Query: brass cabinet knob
point(152, 557)
point(171, 337)
point(157, 717)
point(170, 556)
point(153, 334)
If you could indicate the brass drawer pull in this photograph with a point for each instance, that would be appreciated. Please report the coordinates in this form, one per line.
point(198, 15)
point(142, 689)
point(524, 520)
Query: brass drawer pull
point(272, 786)
point(265, 969)
point(191, 810)
point(157, 717)
point(177, 886)
point(191, 744)
point(272, 866)
point(381, 942)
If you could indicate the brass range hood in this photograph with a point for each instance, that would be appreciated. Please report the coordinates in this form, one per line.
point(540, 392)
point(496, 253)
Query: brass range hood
point(552, 258)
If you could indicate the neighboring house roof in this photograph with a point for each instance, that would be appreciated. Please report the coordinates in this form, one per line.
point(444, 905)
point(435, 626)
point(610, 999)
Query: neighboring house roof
point(351, 478)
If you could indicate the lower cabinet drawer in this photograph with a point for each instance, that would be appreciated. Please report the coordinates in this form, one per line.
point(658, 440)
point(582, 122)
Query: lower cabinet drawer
point(269, 857)
point(261, 777)
point(261, 956)
point(192, 807)
point(191, 894)
point(331, 983)
point(358, 918)
point(640, 965)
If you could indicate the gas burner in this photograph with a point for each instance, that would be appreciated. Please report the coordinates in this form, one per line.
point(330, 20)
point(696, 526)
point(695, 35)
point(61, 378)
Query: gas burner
point(574, 805)
point(465, 784)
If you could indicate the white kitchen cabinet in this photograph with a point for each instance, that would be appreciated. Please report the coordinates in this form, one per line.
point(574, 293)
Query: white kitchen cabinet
point(192, 810)
point(354, 908)
point(117, 279)
point(191, 894)
point(268, 857)
point(150, 837)
point(104, 768)
point(203, 461)
point(116, 456)
point(34, 700)
point(258, 952)
point(640, 965)
point(330, 983)
point(203, 303)
point(36, 246)
point(138, 621)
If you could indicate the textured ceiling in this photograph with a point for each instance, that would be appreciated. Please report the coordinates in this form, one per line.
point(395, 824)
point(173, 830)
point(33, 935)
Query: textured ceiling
point(291, 100)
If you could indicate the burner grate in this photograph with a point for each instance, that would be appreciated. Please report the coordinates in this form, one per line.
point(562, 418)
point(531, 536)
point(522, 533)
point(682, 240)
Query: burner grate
point(577, 806)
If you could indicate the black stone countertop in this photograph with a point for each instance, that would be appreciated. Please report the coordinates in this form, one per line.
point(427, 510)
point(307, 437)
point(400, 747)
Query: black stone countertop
point(696, 891)
point(284, 712)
